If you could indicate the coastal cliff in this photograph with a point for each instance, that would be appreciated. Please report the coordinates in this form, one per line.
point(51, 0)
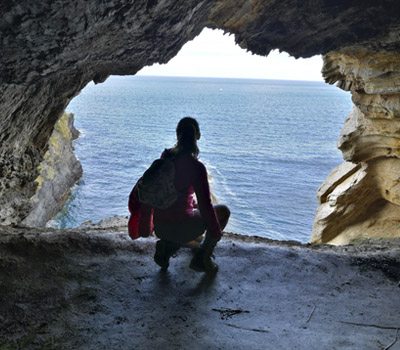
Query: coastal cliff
point(360, 199)
point(58, 172)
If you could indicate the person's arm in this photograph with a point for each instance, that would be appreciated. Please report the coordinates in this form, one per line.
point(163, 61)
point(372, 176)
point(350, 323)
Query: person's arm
point(207, 211)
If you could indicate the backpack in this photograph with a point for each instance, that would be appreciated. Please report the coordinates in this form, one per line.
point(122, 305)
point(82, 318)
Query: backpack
point(156, 187)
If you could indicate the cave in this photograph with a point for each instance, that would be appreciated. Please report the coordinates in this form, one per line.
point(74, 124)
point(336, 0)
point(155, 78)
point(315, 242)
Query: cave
point(51, 52)
point(50, 293)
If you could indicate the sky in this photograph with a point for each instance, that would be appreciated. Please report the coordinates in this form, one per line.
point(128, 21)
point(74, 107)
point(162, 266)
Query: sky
point(213, 54)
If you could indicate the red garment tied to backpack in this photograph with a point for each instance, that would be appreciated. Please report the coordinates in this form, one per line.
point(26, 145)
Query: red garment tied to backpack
point(140, 222)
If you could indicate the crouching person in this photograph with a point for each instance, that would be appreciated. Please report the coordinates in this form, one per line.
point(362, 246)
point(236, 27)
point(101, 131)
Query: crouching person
point(185, 223)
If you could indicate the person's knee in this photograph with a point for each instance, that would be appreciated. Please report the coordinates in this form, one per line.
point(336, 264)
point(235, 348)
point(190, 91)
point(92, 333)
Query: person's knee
point(227, 212)
point(223, 211)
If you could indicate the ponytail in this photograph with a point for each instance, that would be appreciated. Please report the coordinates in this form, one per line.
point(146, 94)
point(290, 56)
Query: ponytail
point(187, 132)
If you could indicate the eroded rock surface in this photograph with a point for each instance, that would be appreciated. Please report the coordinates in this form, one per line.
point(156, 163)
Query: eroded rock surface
point(58, 172)
point(361, 198)
point(51, 49)
point(97, 289)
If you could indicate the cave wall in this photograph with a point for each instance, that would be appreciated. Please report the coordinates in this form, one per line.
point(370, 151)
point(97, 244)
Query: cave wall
point(361, 198)
point(50, 49)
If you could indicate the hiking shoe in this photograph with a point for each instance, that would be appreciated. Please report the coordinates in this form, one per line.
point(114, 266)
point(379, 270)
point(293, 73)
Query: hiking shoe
point(202, 259)
point(164, 250)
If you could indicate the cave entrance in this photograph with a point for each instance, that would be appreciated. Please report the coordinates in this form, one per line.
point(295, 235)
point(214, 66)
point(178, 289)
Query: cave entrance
point(267, 144)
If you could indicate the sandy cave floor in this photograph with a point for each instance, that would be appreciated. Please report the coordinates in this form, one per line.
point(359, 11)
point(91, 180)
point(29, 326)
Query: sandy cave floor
point(97, 289)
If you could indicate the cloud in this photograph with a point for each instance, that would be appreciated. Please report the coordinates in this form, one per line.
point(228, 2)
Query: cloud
point(213, 54)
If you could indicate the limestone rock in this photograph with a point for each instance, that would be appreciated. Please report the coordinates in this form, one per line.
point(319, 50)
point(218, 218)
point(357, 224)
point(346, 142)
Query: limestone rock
point(365, 138)
point(366, 203)
point(362, 70)
point(98, 289)
point(115, 222)
point(71, 127)
point(58, 172)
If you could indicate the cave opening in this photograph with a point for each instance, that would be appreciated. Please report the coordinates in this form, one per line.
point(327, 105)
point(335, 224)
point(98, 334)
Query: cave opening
point(267, 144)
point(92, 289)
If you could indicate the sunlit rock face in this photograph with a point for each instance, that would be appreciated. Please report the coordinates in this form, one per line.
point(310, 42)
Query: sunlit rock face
point(51, 49)
point(58, 172)
point(361, 198)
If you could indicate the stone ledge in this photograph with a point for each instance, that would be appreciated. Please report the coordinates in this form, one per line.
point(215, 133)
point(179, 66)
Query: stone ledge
point(80, 289)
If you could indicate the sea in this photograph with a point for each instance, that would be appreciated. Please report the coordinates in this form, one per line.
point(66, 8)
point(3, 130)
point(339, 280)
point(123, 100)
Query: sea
point(267, 146)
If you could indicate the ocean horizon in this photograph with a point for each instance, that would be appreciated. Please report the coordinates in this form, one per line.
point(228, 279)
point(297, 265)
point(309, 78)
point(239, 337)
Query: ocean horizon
point(267, 145)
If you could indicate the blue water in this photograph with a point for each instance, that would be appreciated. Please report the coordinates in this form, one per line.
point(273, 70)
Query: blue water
point(268, 145)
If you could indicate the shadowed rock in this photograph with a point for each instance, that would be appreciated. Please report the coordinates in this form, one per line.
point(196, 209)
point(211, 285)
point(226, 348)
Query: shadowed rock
point(88, 289)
